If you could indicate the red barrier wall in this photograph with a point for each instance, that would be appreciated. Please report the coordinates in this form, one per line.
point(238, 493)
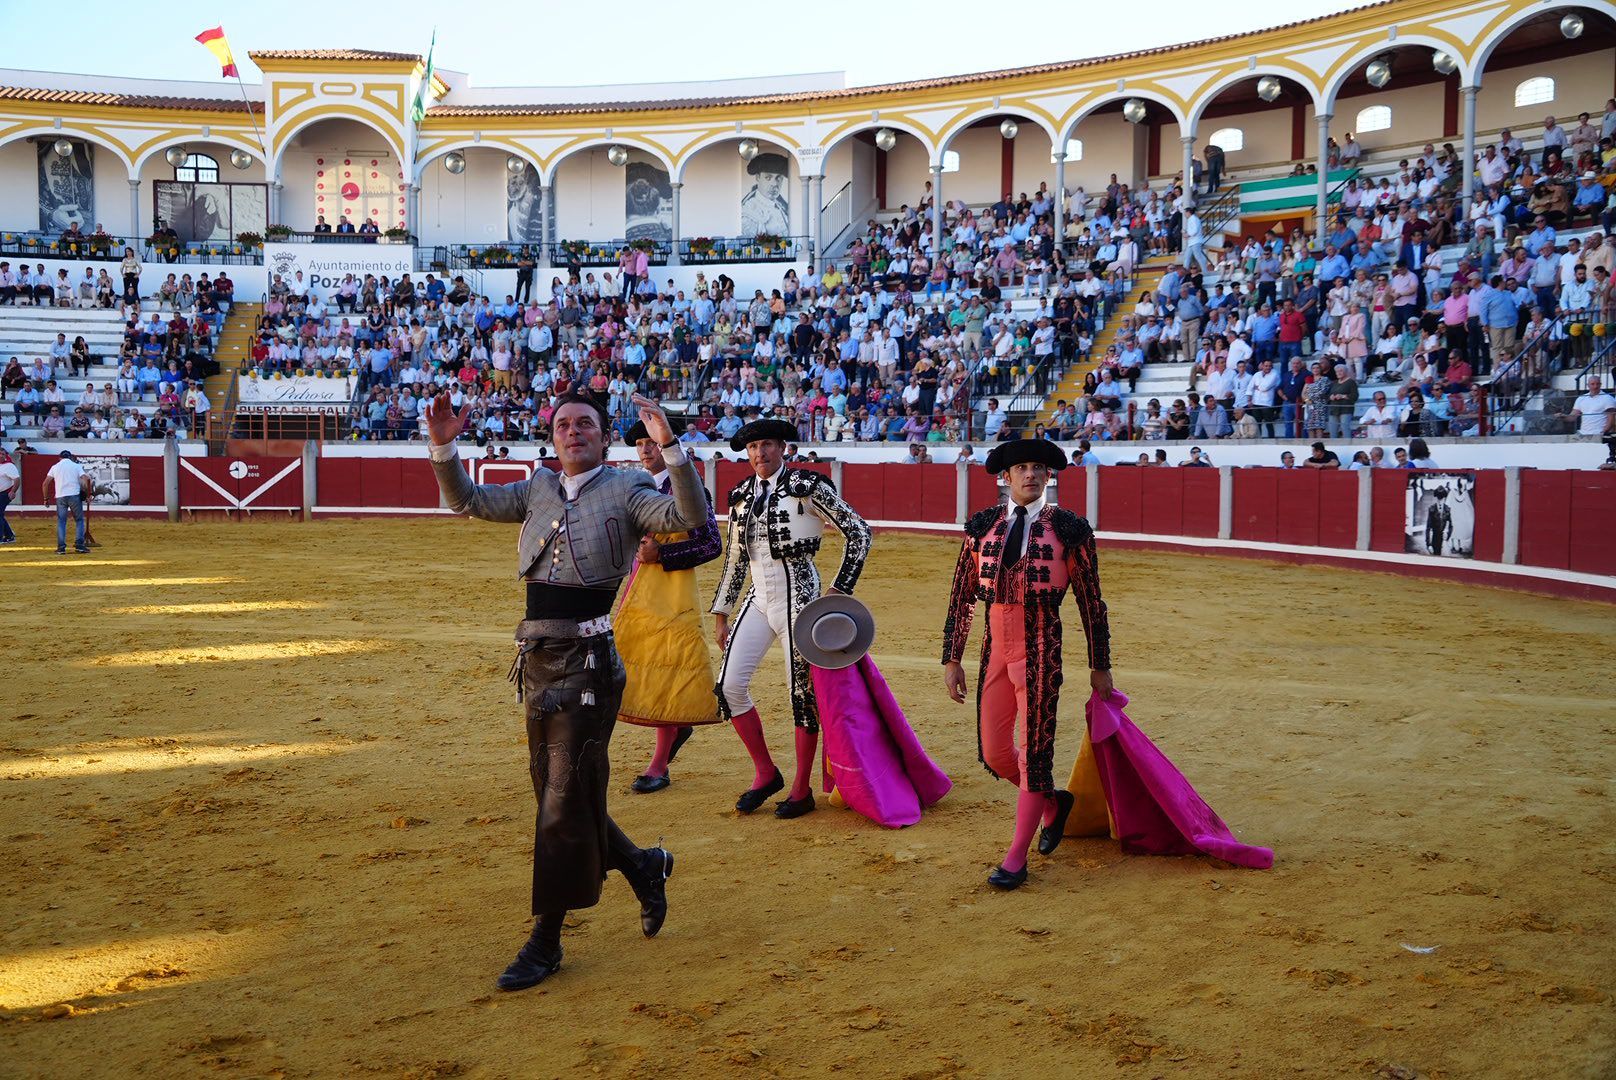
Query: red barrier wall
point(1592, 549)
point(145, 476)
point(246, 483)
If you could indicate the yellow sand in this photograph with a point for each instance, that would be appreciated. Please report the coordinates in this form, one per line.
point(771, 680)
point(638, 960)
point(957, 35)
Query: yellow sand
point(272, 841)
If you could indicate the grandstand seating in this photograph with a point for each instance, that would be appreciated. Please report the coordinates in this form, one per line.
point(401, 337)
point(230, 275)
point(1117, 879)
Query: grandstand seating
point(29, 332)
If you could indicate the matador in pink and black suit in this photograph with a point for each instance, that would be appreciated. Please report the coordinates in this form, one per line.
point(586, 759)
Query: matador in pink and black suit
point(1021, 560)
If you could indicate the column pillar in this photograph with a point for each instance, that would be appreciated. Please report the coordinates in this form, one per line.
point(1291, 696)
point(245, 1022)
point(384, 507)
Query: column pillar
point(1467, 95)
point(275, 188)
point(803, 222)
point(412, 208)
point(1189, 164)
point(134, 210)
point(937, 210)
point(1058, 218)
point(1321, 211)
point(816, 222)
point(546, 193)
point(673, 255)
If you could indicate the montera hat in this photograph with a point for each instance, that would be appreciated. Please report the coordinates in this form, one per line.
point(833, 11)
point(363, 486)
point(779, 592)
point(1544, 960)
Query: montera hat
point(638, 432)
point(834, 631)
point(769, 163)
point(1014, 452)
point(763, 429)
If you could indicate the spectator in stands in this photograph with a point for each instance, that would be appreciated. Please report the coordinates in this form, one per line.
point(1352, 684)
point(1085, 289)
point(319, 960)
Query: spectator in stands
point(1321, 458)
point(1594, 412)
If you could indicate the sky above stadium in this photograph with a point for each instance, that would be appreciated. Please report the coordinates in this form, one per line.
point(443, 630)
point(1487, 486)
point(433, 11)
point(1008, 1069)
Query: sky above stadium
point(630, 40)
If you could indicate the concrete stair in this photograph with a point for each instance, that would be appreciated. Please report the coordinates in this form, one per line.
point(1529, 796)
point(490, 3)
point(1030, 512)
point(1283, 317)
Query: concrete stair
point(1146, 277)
point(233, 351)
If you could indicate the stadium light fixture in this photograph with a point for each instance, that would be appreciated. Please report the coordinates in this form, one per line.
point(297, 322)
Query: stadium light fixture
point(886, 138)
point(1268, 88)
point(1133, 110)
point(617, 156)
point(1379, 73)
point(1009, 128)
point(1445, 63)
point(241, 159)
point(748, 149)
point(1571, 25)
point(175, 156)
point(454, 162)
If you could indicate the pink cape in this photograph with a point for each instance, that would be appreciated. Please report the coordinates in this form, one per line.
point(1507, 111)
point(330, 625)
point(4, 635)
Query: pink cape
point(871, 754)
point(1155, 810)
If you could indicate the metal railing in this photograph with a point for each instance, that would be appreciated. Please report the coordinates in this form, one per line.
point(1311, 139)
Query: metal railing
point(309, 236)
point(703, 250)
point(1603, 361)
point(1513, 385)
point(594, 253)
point(832, 226)
point(107, 248)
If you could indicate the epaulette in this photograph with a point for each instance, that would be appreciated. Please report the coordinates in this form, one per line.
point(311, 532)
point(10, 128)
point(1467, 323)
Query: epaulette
point(978, 524)
point(1073, 531)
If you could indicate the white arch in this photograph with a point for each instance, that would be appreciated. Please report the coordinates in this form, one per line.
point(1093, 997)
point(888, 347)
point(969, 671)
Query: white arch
point(65, 132)
point(594, 143)
point(290, 133)
point(1484, 50)
point(1208, 95)
point(1369, 52)
point(231, 141)
point(1123, 95)
point(695, 148)
point(932, 153)
point(947, 137)
point(472, 144)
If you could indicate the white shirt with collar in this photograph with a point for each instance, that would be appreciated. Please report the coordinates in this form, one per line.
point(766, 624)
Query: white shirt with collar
point(1033, 508)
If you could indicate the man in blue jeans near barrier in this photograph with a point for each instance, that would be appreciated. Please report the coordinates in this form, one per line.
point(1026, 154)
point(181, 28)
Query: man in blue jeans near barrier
point(66, 485)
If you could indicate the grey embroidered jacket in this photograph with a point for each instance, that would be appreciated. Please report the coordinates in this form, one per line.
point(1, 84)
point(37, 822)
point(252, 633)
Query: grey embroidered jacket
point(603, 524)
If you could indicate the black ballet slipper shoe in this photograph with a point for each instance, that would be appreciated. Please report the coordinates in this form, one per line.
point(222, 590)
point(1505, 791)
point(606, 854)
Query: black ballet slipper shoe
point(654, 901)
point(531, 967)
point(793, 808)
point(753, 798)
point(1004, 879)
point(679, 740)
point(644, 785)
point(1049, 837)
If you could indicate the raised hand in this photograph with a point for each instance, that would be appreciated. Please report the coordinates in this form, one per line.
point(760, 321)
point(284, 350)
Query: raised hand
point(654, 419)
point(443, 426)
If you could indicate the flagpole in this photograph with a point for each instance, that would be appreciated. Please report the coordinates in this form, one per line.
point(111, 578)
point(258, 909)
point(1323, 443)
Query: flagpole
point(251, 116)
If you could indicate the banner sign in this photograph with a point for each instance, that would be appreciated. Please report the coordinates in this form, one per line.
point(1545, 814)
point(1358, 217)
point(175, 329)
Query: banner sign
point(325, 265)
point(296, 390)
point(1439, 515)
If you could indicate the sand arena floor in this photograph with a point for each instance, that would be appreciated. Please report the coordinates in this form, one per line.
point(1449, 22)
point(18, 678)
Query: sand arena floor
point(265, 813)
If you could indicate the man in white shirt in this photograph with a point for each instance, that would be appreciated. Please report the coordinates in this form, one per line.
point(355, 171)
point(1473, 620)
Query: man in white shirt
point(10, 487)
point(1594, 412)
point(1379, 421)
point(1492, 167)
point(66, 485)
point(995, 419)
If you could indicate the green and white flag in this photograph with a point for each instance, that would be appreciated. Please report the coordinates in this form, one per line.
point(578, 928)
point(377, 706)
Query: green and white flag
point(418, 110)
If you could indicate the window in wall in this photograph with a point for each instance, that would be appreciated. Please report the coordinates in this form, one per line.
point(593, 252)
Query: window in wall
point(1074, 152)
point(198, 169)
point(950, 161)
point(1231, 139)
point(1374, 118)
point(1538, 90)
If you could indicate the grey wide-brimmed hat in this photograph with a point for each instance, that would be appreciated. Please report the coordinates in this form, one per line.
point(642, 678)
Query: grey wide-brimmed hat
point(834, 631)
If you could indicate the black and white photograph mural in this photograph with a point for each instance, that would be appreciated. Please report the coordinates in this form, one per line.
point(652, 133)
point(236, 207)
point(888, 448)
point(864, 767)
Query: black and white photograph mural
point(524, 203)
point(211, 213)
point(765, 207)
point(1441, 515)
point(647, 199)
point(66, 186)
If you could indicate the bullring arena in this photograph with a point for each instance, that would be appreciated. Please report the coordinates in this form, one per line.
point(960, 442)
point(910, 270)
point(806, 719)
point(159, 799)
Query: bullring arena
point(263, 800)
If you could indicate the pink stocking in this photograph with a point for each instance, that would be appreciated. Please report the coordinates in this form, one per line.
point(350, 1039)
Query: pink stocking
point(750, 729)
point(664, 749)
point(807, 743)
point(1029, 812)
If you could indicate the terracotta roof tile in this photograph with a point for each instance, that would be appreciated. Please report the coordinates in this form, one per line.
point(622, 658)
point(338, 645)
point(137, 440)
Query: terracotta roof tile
point(126, 101)
point(331, 54)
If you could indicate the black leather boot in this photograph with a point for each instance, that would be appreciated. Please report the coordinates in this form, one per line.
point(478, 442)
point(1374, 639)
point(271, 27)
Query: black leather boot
point(539, 958)
point(652, 888)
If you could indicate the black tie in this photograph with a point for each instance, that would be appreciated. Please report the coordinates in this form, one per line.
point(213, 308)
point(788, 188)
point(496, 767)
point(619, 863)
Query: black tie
point(1012, 543)
point(761, 503)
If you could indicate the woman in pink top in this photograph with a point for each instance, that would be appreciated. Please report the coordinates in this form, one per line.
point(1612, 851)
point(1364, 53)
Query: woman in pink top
point(1351, 338)
point(1455, 315)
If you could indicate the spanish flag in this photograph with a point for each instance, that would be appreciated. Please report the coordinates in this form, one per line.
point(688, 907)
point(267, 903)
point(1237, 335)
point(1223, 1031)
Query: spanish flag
point(218, 46)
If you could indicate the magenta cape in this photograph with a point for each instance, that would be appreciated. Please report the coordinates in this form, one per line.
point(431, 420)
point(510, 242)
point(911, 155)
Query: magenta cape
point(1155, 810)
point(871, 754)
